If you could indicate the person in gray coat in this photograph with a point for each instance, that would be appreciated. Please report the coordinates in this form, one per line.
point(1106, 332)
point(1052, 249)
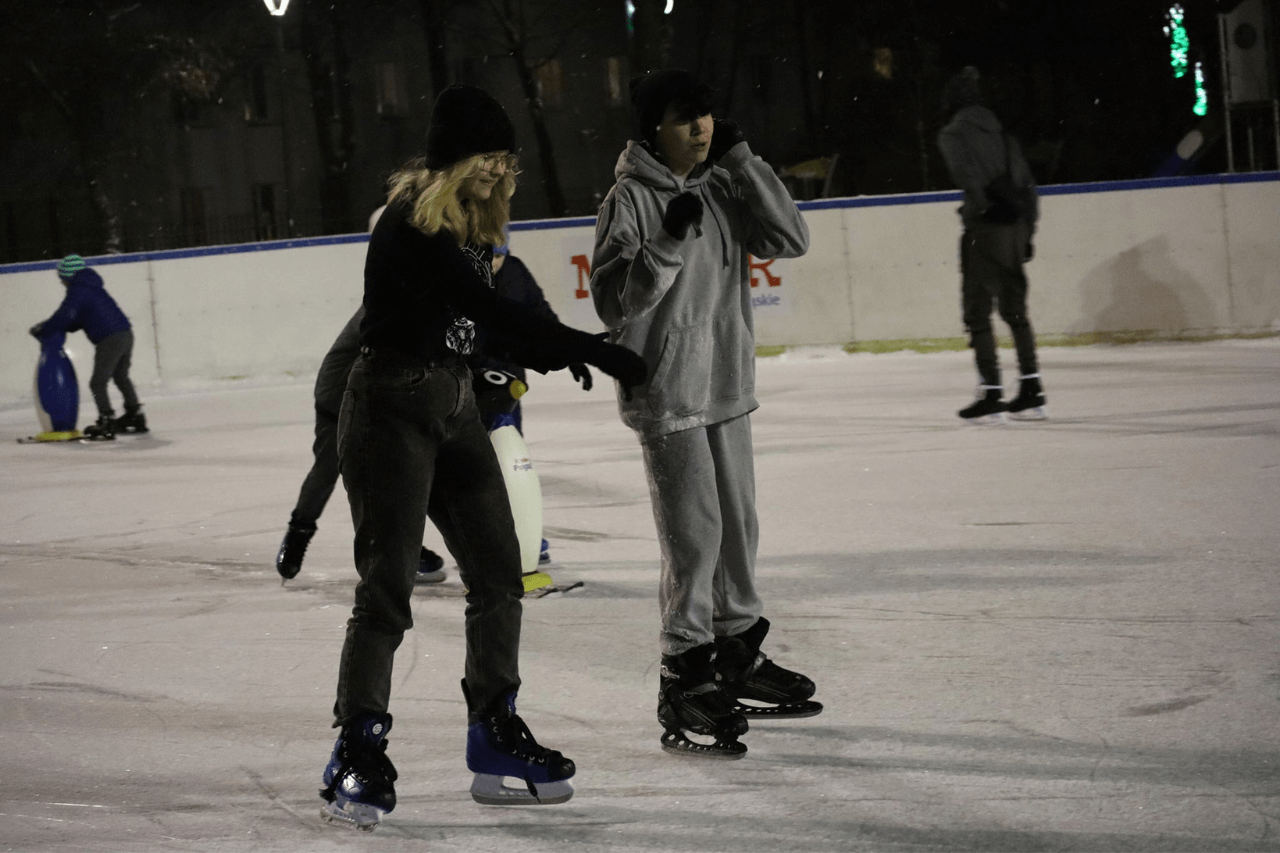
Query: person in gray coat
point(670, 279)
point(1000, 211)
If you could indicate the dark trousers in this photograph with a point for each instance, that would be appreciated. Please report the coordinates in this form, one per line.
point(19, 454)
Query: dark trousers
point(991, 259)
point(411, 445)
point(323, 476)
point(111, 360)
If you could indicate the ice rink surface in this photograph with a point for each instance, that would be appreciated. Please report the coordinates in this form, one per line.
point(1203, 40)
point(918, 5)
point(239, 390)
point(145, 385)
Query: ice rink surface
point(1054, 636)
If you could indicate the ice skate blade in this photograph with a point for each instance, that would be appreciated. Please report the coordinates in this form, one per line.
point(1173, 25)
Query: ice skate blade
point(679, 743)
point(424, 578)
point(488, 789)
point(1035, 413)
point(785, 711)
point(352, 815)
point(993, 419)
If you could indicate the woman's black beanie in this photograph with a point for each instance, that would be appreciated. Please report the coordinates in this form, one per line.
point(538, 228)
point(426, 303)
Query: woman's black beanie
point(466, 121)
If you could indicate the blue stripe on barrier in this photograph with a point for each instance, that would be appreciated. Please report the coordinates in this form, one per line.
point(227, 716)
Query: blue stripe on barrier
point(583, 221)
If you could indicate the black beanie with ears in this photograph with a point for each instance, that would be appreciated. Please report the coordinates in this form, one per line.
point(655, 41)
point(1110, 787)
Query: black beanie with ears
point(653, 93)
point(466, 121)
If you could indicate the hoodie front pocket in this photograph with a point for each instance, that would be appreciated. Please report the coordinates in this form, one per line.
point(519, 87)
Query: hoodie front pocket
point(681, 385)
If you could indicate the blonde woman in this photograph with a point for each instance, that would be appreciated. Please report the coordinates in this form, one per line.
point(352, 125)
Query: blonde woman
point(411, 445)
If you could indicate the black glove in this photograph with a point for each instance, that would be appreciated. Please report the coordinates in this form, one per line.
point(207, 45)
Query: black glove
point(622, 364)
point(35, 330)
point(724, 135)
point(682, 211)
point(581, 374)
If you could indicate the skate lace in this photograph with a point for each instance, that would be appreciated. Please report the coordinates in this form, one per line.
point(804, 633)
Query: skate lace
point(512, 734)
point(369, 764)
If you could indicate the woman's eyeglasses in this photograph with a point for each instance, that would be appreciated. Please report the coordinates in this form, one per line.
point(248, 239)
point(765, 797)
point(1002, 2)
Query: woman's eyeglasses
point(492, 162)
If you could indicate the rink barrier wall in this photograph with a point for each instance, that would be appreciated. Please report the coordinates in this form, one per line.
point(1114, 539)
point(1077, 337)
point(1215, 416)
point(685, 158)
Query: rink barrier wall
point(1173, 256)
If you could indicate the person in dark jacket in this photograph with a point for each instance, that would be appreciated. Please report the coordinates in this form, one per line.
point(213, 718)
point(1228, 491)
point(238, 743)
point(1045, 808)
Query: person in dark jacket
point(317, 486)
point(512, 280)
point(997, 240)
point(88, 306)
point(411, 445)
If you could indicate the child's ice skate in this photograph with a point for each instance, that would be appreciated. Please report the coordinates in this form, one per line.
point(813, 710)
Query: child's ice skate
point(359, 779)
point(132, 422)
point(102, 429)
point(499, 746)
point(758, 686)
point(690, 702)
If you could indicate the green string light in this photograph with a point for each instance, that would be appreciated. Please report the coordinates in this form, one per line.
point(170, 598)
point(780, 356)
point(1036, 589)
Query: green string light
point(1202, 95)
point(1179, 42)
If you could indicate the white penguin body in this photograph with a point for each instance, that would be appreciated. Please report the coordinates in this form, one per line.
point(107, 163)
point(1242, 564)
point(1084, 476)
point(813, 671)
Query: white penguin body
point(524, 491)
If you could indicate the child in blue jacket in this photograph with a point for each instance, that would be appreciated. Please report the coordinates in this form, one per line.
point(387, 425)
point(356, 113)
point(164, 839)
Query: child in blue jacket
point(88, 307)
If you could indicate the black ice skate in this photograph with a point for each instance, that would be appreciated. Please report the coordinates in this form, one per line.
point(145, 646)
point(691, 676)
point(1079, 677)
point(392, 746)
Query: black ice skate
point(500, 745)
point(101, 429)
point(359, 778)
point(1029, 404)
point(758, 686)
point(132, 422)
point(988, 409)
point(292, 548)
point(690, 702)
point(430, 567)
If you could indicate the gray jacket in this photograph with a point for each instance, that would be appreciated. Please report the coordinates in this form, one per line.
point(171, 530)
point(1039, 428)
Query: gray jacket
point(685, 305)
point(973, 146)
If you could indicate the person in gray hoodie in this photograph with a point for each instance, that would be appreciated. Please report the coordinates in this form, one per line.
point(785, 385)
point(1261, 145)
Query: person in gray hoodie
point(1000, 211)
point(670, 280)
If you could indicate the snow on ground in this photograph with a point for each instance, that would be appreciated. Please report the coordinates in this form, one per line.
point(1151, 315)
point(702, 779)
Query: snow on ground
point(1032, 637)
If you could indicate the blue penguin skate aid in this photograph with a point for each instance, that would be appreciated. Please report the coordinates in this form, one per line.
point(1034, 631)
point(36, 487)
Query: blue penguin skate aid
point(56, 392)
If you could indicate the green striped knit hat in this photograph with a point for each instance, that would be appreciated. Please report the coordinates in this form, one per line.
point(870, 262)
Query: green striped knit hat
point(70, 265)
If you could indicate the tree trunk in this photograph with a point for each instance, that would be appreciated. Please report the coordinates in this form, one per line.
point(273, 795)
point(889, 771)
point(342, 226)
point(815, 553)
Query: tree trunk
point(546, 154)
point(93, 165)
point(322, 79)
point(435, 27)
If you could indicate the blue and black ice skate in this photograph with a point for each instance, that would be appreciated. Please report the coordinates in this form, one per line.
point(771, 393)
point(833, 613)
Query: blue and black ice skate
point(359, 780)
point(500, 746)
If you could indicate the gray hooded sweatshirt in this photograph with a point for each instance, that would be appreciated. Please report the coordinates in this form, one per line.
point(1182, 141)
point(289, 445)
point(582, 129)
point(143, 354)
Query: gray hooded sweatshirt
point(685, 305)
point(973, 146)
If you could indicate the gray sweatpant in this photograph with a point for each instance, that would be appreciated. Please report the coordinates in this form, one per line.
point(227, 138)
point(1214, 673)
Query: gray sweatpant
point(702, 486)
point(111, 360)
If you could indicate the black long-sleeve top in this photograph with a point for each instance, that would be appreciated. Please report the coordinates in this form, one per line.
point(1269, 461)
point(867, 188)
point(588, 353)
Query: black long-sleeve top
point(421, 293)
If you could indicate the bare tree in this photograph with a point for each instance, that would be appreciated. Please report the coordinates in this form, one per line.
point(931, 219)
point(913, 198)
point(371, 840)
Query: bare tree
point(532, 34)
point(437, 18)
point(328, 64)
point(148, 50)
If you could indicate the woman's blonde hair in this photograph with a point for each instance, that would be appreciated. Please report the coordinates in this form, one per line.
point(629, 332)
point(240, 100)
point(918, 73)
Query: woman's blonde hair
point(434, 204)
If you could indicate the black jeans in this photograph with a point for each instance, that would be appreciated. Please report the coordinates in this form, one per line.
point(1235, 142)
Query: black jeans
point(323, 476)
point(112, 358)
point(411, 445)
point(991, 259)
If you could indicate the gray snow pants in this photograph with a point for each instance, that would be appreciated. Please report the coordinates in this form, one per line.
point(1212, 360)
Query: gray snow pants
point(703, 490)
point(112, 357)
